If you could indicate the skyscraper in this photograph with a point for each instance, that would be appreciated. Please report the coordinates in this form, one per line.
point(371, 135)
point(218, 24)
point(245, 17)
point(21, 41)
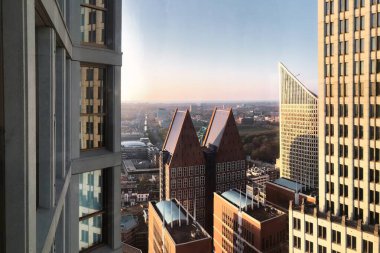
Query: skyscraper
point(60, 126)
point(225, 158)
point(298, 130)
point(347, 216)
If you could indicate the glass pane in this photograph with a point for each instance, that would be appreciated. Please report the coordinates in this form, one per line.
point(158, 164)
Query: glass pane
point(92, 107)
point(90, 232)
point(98, 3)
point(90, 193)
point(92, 25)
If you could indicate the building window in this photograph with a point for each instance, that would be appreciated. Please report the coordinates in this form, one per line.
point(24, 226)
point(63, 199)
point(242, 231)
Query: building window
point(308, 247)
point(93, 15)
point(296, 242)
point(367, 246)
point(336, 237)
point(296, 223)
point(351, 242)
point(92, 120)
point(309, 227)
point(91, 209)
point(322, 249)
point(322, 232)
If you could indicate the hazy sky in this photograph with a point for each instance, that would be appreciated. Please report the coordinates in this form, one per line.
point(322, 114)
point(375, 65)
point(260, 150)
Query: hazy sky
point(180, 50)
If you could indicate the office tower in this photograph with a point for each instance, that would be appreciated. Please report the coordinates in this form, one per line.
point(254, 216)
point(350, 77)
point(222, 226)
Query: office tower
point(173, 229)
point(60, 126)
point(225, 158)
point(347, 216)
point(241, 224)
point(298, 131)
point(182, 166)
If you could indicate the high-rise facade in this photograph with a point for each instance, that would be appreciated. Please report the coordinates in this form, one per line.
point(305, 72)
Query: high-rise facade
point(298, 130)
point(60, 126)
point(347, 217)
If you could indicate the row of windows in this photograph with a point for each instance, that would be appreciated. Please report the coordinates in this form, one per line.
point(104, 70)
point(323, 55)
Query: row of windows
point(358, 110)
point(187, 171)
point(357, 172)
point(358, 89)
point(227, 177)
point(187, 182)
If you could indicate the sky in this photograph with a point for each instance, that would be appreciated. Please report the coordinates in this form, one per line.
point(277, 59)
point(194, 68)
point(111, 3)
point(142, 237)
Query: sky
point(215, 50)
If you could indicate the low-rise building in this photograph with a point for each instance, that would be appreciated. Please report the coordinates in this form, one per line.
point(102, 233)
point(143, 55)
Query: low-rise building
point(173, 229)
point(282, 190)
point(241, 224)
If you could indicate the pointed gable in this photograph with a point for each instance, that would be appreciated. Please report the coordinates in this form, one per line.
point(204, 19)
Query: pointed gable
point(182, 142)
point(223, 133)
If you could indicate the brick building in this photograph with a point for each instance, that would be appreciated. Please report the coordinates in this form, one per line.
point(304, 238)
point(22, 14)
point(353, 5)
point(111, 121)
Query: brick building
point(243, 225)
point(182, 167)
point(173, 229)
point(225, 158)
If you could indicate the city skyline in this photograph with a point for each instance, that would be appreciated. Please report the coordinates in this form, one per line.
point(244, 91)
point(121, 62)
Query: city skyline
point(202, 51)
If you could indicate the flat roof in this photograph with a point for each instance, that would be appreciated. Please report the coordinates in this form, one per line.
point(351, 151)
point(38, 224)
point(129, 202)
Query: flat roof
point(248, 205)
point(175, 217)
point(132, 144)
point(290, 184)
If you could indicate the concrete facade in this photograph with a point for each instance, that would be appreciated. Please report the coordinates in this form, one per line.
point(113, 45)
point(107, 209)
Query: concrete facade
point(41, 53)
point(348, 208)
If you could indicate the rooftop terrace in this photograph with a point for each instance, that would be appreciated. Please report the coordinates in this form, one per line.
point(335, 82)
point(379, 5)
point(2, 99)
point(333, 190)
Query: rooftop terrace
point(181, 226)
point(248, 205)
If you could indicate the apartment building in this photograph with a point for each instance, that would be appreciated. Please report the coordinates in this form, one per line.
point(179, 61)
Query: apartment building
point(60, 122)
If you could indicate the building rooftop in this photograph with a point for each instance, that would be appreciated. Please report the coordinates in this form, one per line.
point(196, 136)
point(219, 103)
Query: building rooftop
point(248, 205)
point(176, 224)
point(132, 144)
point(174, 131)
point(297, 187)
point(216, 127)
point(128, 222)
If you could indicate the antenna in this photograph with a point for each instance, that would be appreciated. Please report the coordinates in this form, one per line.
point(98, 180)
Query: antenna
point(187, 213)
point(246, 199)
point(171, 213)
point(195, 209)
point(179, 214)
point(240, 200)
point(252, 197)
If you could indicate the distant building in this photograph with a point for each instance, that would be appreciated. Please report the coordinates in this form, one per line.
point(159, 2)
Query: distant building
point(241, 224)
point(182, 166)
point(173, 229)
point(298, 131)
point(245, 120)
point(134, 150)
point(260, 175)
